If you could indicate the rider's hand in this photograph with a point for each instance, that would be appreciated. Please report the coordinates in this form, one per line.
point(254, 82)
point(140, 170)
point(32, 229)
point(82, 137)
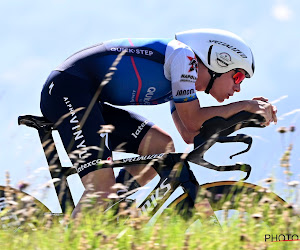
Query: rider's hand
point(260, 98)
point(260, 105)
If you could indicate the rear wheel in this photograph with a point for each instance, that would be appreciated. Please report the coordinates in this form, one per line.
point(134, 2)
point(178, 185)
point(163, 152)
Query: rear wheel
point(19, 210)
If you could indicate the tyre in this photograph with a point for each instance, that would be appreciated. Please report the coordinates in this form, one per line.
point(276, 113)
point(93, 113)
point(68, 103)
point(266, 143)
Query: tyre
point(230, 197)
point(18, 209)
point(232, 193)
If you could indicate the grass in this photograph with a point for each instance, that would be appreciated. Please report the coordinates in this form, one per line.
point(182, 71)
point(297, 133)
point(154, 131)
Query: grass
point(93, 229)
point(169, 232)
point(256, 225)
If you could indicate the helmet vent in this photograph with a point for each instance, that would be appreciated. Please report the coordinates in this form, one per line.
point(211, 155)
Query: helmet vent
point(209, 54)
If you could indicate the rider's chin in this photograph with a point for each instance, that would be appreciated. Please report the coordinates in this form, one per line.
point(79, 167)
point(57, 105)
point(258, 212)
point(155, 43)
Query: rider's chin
point(220, 99)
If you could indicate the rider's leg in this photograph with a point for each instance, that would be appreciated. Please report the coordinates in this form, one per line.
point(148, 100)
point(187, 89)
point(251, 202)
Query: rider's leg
point(155, 141)
point(99, 183)
point(135, 134)
point(65, 101)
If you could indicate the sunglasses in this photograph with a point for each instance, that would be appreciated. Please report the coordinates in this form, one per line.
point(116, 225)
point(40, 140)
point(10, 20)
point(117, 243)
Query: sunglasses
point(238, 76)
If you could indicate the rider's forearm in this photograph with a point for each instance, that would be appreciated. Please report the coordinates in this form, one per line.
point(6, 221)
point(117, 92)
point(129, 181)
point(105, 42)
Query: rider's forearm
point(224, 111)
point(204, 114)
point(192, 116)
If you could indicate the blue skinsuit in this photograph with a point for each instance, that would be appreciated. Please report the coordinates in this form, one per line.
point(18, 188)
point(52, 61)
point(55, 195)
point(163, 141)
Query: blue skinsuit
point(139, 79)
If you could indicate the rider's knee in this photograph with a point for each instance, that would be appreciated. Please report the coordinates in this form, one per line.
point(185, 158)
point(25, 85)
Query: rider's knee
point(156, 141)
point(165, 144)
point(170, 147)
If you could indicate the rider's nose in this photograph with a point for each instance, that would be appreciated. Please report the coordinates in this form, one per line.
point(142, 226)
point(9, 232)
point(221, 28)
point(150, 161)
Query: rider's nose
point(237, 87)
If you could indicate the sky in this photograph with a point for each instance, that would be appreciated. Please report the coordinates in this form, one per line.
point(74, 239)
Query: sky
point(36, 36)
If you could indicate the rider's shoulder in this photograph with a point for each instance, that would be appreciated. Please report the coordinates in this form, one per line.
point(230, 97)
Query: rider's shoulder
point(178, 50)
point(180, 46)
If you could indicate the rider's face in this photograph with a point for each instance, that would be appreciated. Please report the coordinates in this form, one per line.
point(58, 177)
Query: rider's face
point(224, 86)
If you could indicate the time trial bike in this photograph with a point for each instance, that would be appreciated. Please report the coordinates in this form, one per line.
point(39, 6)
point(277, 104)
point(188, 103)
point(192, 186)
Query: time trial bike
point(173, 169)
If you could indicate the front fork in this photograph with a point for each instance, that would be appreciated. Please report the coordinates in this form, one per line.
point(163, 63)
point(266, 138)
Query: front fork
point(173, 172)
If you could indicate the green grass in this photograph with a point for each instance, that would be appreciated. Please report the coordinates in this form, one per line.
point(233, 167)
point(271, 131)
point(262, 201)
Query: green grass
point(253, 227)
point(96, 230)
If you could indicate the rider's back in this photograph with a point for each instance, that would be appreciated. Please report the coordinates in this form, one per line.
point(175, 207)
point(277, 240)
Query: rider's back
point(144, 73)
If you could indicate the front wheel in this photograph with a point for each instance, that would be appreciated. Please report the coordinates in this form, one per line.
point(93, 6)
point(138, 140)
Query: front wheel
point(230, 196)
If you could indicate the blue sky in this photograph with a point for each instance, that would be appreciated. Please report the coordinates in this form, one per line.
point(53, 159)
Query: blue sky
point(38, 35)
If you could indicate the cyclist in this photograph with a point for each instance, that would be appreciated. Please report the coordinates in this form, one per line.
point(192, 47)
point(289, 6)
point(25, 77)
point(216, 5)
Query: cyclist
point(150, 72)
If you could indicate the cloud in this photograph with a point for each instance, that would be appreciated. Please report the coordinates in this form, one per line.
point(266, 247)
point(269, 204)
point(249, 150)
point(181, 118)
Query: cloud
point(289, 113)
point(279, 99)
point(282, 12)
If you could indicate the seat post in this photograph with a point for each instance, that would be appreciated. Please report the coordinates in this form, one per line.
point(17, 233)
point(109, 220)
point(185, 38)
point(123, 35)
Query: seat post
point(44, 129)
point(56, 170)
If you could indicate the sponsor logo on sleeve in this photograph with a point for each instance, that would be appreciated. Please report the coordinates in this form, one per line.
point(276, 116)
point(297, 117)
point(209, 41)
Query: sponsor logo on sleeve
point(185, 92)
point(193, 63)
point(188, 78)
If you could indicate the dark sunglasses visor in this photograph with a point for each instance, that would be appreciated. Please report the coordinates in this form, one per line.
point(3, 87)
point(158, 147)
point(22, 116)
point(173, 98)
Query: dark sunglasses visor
point(238, 77)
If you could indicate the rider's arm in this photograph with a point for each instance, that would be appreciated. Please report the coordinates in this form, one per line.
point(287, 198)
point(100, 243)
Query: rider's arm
point(193, 116)
point(189, 117)
point(187, 136)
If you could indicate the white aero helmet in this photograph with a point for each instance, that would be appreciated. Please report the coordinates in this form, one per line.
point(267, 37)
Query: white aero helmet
point(219, 50)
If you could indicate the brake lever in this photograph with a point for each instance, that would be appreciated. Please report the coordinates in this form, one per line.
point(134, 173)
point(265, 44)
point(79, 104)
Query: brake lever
point(245, 168)
point(242, 152)
point(247, 140)
point(236, 167)
point(238, 138)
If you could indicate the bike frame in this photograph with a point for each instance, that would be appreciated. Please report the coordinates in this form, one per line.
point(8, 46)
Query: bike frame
point(214, 130)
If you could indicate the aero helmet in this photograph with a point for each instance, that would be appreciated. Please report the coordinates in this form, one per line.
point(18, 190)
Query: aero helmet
point(219, 50)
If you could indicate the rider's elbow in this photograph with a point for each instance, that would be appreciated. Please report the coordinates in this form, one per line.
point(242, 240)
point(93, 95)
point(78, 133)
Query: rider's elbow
point(188, 137)
point(188, 140)
point(192, 128)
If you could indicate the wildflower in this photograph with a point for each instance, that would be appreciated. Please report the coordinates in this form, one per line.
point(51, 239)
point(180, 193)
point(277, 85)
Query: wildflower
point(257, 216)
point(293, 183)
point(288, 173)
point(106, 129)
point(269, 180)
point(292, 128)
point(282, 130)
point(7, 178)
point(83, 243)
point(265, 200)
point(244, 237)
point(99, 233)
point(22, 185)
point(219, 196)
point(289, 206)
point(27, 199)
point(285, 165)
point(186, 241)
point(275, 205)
